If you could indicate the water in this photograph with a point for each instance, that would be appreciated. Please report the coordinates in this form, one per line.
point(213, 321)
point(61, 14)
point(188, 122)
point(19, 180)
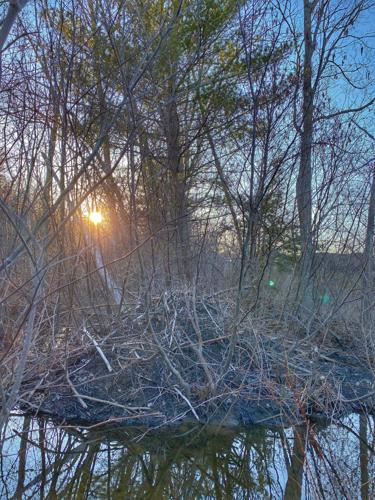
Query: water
point(40, 459)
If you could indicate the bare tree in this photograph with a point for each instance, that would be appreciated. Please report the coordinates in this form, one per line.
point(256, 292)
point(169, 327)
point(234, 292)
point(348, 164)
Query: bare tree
point(327, 26)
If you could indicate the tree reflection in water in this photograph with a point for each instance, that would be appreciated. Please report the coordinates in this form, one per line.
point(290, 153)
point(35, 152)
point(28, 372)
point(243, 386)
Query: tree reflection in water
point(42, 460)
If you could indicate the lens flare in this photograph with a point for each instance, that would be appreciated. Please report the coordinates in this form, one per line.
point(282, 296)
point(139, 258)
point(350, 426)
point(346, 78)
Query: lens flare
point(95, 217)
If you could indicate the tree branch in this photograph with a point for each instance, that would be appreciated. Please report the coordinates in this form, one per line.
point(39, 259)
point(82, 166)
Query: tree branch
point(345, 111)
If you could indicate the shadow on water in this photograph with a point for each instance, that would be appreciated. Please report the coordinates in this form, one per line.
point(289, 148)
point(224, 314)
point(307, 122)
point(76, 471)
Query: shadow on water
point(40, 459)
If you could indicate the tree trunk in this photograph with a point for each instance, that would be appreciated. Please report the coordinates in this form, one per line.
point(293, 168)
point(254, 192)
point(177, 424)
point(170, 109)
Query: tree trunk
point(303, 188)
point(14, 8)
point(364, 458)
point(368, 275)
point(293, 488)
point(178, 194)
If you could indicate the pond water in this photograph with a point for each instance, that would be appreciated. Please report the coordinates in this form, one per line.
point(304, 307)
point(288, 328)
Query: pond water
point(40, 459)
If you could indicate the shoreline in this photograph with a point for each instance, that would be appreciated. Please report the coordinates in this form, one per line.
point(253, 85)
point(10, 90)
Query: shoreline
point(92, 396)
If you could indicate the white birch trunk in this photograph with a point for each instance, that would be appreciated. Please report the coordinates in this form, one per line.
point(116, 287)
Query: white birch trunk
point(104, 273)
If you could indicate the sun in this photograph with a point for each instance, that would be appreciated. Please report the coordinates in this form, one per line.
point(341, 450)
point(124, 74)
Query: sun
point(95, 217)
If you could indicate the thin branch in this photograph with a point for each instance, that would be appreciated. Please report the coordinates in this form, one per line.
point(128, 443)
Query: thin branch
point(346, 111)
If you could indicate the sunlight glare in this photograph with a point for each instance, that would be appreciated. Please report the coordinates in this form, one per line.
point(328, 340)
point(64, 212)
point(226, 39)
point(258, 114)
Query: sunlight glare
point(95, 217)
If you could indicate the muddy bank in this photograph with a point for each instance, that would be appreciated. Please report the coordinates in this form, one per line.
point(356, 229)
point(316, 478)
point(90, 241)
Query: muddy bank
point(87, 391)
point(176, 364)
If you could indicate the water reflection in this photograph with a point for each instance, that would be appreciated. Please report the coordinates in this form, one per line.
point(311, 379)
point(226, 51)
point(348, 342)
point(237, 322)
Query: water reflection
point(42, 460)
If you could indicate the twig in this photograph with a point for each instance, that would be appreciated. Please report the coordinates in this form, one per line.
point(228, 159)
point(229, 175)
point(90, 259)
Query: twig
point(184, 385)
point(76, 393)
point(359, 398)
point(110, 420)
point(100, 351)
point(111, 403)
point(188, 402)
